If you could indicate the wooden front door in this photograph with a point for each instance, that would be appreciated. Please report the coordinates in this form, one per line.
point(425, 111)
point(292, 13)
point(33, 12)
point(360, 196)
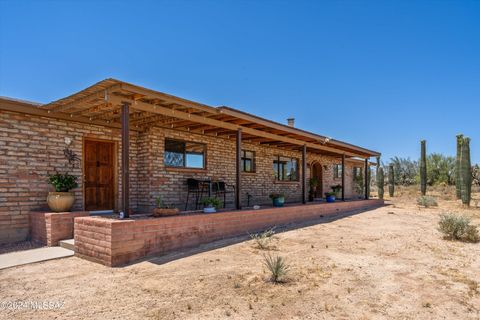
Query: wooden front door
point(99, 175)
point(317, 172)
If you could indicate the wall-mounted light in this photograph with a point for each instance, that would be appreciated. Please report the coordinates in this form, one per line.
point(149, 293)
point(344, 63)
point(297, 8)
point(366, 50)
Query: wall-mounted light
point(68, 141)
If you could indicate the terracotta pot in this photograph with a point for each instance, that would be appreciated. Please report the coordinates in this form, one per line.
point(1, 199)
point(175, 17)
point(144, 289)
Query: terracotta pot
point(60, 201)
point(162, 212)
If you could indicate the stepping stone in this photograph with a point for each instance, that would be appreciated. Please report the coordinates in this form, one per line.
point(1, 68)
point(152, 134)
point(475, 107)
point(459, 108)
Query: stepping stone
point(19, 258)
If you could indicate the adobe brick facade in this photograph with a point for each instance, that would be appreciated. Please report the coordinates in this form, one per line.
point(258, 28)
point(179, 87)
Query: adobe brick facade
point(48, 228)
point(31, 147)
point(114, 242)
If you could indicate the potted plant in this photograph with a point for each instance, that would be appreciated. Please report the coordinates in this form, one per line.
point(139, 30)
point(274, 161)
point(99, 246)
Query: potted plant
point(62, 199)
point(278, 199)
point(337, 190)
point(330, 196)
point(211, 205)
point(162, 209)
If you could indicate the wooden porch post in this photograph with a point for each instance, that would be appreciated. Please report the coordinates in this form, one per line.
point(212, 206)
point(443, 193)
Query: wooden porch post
point(238, 168)
point(304, 174)
point(366, 179)
point(125, 158)
point(343, 177)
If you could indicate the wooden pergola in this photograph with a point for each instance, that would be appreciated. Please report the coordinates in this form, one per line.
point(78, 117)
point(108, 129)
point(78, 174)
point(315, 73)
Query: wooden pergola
point(118, 104)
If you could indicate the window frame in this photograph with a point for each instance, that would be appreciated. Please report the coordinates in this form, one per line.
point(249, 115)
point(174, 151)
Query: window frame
point(357, 172)
point(276, 162)
point(244, 160)
point(184, 166)
point(337, 171)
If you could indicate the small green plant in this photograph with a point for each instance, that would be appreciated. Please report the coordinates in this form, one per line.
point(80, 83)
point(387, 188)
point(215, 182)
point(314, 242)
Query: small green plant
point(277, 266)
point(161, 205)
point(336, 189)
point(263, 239)
point(455, 227)
point(63, 182)
point(212, 202)
point(427, 201)
point(276, 195)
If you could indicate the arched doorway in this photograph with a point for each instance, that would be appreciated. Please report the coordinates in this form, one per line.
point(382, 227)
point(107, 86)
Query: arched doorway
point(317, 173)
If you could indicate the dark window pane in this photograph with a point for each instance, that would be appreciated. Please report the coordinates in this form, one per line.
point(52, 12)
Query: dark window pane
point(184, 154)
point(174, 153)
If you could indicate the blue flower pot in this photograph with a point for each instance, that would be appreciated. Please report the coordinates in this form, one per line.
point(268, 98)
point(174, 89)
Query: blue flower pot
point(330, 198)
point(279, 202)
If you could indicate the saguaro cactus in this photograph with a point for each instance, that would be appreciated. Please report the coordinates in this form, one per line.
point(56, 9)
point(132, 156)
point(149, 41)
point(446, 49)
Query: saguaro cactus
point(466, 172)
point(458, 169)
point(380, 182)
point(423, 167)
point(391, 181)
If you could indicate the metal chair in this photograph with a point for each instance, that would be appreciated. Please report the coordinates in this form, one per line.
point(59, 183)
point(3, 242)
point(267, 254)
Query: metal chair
point(220, 188)
point(195, 187)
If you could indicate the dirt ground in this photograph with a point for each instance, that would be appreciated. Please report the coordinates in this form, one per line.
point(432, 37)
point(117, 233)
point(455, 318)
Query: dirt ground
point(389, 263)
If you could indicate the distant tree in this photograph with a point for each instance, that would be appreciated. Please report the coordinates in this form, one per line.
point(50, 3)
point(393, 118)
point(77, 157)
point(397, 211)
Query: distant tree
point(441, 169)
point(405, 170)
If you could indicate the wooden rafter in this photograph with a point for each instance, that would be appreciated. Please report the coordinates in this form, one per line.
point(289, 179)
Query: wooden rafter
point(205, 120)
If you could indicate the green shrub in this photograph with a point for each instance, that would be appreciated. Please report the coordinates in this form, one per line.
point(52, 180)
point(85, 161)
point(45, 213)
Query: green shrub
point(263, 239)
point(427, 201)
point(277, 266)
point(63, 182)
point(456, 227)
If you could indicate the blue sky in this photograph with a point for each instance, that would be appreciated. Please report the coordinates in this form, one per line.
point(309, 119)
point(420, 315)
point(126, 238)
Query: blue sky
point(382, 75)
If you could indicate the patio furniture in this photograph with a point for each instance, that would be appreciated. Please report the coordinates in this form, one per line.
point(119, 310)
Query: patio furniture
point(196, 188)
point(220, 188)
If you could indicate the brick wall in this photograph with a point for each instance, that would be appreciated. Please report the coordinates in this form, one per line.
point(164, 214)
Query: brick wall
point(48, 228)
point(115, 242)
point(31, 147)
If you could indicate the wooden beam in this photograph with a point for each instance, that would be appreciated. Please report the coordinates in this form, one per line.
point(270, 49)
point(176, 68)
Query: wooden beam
point(304, 174)
point(284, 128)
point(169, 98)
point(103, 93)
point(238, 170)
point(37, 111)
point(125, 159)
point(367, 186)
point(208, 121)
point(343, 177)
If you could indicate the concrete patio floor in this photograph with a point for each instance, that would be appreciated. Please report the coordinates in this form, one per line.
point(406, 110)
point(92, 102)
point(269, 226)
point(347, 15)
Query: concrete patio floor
point(18, 258)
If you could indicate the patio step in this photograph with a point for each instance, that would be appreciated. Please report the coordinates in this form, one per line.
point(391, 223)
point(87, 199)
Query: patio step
point(67, 244)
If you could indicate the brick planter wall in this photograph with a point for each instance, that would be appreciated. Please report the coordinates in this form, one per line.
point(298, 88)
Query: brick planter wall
point(50, 227)
point(115, 242)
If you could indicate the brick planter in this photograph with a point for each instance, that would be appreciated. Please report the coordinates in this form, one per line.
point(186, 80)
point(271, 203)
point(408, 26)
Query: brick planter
point(113, 242)
point(50, 227)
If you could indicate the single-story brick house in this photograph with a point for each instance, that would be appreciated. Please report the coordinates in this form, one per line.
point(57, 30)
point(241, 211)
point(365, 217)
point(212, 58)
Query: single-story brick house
point(168, 140)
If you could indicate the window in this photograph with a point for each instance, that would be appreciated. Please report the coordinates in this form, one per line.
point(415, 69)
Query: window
point(357, 172)
point(285, 169)
point(248, 161)
point(337, 171)
point(182, 154)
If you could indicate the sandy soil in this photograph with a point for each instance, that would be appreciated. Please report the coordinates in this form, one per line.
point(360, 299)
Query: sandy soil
point(389, 263)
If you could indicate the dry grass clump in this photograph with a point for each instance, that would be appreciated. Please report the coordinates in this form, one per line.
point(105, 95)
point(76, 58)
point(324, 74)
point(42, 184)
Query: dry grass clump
point(455, 227)
point(263, 239)
point(277, 266)
point(427, 201)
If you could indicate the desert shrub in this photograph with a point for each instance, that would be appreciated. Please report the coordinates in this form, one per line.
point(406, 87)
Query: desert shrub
point(277, 266)
point(427, 201)
point(456, 227)
point(263, 239)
